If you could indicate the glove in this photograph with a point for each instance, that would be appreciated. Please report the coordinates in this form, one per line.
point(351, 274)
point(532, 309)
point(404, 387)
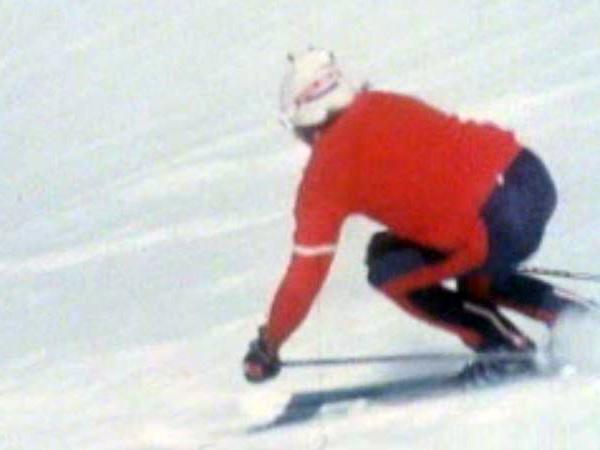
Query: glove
point(261, 362)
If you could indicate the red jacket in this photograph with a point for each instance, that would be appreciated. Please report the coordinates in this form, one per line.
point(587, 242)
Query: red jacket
point(421, 173)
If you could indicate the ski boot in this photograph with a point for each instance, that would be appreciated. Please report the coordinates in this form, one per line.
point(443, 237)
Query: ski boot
point(500, 365)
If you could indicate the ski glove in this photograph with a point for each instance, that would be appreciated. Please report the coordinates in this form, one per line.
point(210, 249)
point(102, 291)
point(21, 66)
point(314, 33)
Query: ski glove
point(261, 363)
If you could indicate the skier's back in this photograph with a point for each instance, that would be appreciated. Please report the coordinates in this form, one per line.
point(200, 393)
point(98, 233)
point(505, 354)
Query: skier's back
point(407, 166)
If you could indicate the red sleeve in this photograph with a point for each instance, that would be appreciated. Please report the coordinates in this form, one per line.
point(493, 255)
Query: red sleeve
point(319, 216)
point(295, 296)
point(470, 256)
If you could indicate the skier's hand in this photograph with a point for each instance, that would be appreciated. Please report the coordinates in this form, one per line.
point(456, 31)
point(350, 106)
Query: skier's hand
point(261, 362)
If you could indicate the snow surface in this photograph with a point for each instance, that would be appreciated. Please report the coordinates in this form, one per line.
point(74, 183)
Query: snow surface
point(146, 193)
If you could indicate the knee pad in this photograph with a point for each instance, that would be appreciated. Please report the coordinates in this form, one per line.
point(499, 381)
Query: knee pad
point(381, 243)
point(393, 264)
point(389, 257)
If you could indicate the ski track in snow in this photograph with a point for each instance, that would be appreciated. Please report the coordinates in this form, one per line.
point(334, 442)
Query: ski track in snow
point(146, 219)
point(191, 231)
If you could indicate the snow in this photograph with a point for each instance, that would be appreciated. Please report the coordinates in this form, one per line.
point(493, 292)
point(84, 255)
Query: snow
point(146, 193)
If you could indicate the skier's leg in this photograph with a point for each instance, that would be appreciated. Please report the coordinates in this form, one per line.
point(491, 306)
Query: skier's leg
point(478, 324)
point(516, 216)
point(530, 296)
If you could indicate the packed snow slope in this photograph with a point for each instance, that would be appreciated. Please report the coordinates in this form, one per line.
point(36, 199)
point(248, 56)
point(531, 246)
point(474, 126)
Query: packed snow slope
point(146, 191)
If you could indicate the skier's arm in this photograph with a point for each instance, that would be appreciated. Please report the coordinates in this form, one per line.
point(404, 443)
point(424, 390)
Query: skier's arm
point(296, 294)
point(318, 224)
point(320, 210)
point(471, 255)
point(305, 275)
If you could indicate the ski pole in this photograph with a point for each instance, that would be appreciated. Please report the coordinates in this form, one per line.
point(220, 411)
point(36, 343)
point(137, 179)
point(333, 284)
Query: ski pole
point(441, 357)
point(377, 359)
point(558, 273)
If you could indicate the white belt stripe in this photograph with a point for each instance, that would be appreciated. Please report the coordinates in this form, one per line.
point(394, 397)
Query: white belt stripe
point(494, 319)
point(316, 250)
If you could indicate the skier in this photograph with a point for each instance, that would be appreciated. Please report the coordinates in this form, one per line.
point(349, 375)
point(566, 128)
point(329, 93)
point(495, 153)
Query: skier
point(460, 201)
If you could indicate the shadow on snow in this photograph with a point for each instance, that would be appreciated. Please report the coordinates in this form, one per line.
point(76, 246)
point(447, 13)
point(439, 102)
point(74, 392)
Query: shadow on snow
point(304, 406)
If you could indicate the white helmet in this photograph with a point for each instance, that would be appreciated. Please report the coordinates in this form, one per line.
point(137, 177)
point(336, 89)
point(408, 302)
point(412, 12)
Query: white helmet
point(312, 88)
